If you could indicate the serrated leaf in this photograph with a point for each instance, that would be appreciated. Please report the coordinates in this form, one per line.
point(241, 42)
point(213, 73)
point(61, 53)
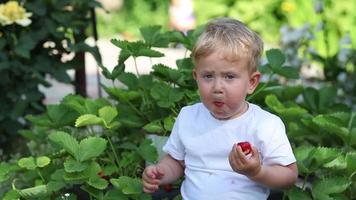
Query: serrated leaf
point(91, 147)
point(147, 151)
point(332, 125)
point(33, 192)
point(351, 163)
point(167, 74)
point(153, 127)
point(66, 141)
point(11, 195)
point(153, 37)
point(54, 186)
point(115, 195)
point(71, 165)
point(122, 95)
point(27, 163)
point(88, 120)
point(331, 185)
point(165, 95)
point(127, 185)
point(98, 183)
point(61, 115)
point(288, 72)
point(129, 79)
point(338, 163)
point(323, 155)
point(275, 58)
point(42, 161)
point(298, 194)
point(107, 113)
point(302, 155)
point(327, 96)
point(311, 98)
point(286, 111)
point(4, 171)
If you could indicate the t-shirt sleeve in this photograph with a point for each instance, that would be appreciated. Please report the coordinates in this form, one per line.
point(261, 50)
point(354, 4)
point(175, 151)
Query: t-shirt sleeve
point(174, 146)
point(276, 148)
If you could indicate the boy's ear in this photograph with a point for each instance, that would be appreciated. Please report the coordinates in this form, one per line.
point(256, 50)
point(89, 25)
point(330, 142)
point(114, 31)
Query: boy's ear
point(254, 81)
point(194, 72)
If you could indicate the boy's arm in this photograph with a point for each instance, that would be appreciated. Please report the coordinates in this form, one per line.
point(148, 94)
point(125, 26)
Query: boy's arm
point(277, 176)
point(173, 169)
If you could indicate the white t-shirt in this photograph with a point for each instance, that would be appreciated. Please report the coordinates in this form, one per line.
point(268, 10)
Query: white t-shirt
point(204, 143)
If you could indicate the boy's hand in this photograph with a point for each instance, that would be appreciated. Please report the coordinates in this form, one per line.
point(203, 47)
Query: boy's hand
point(249, 165)
point(151, 178)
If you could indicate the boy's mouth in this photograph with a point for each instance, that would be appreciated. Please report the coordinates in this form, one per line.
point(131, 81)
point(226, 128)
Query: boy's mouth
point(218, 103)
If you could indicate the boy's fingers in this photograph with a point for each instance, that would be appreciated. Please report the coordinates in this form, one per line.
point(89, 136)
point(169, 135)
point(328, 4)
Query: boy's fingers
point(149, 188)
point(160, 172)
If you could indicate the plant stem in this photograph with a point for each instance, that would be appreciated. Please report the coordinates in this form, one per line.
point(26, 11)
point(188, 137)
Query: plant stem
point(136, 67)
point(305, 181)
point(113, 150)
point(185, 53)
point(39, 173)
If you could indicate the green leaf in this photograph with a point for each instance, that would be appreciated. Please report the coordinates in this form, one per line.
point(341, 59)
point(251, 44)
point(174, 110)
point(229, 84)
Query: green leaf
point(129, 79)
point(311, 98)
point(60, 115)
point(115, 195)
point(165, 95)
point(275, 58)
point(98, 183)
point(148, 151)
point(55, 186)
point(27, 163)
point(11, 195)
point(323, 155)
point(108, 113)
point(338, 163)
point(88, 119)
point(72, 165)
point(91, 147)
point(154, 127)
point(4, 172)
point(291, 111)
point(168, 123)
point(127, 185)
point(66, 141)
point(351, 163)
point(153, 37)
point(122, 95)
point(302, 155)
point(352, 137)
point(332, 125)
point(288, 72)
point(33, 192)
point(331, 185)
point(327, 96)
point(42, 161)
point(297, 194)
point(167, 74)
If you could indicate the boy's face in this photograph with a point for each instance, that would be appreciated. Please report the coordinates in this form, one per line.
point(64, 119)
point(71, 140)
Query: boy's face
point(223, 85)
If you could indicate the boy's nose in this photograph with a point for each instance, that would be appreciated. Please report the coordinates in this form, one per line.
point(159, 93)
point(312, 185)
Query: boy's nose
point(218, 86)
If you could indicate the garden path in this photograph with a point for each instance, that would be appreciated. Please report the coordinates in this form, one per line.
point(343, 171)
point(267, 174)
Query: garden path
point(109, 54)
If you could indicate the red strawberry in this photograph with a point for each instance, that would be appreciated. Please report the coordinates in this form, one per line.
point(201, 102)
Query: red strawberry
point(102, 175)
point(245, 146)
point(167, 187)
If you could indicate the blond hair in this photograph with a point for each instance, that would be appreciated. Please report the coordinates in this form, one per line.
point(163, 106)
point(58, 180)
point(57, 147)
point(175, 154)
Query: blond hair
point(232, 38)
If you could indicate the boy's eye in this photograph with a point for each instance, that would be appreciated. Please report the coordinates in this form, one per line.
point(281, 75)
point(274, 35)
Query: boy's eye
point(207, 76)
point(230, 76)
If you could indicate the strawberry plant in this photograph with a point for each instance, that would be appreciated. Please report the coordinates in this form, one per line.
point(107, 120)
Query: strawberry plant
point(100, 146)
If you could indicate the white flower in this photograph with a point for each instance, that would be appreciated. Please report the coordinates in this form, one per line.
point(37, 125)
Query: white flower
point(12, 12)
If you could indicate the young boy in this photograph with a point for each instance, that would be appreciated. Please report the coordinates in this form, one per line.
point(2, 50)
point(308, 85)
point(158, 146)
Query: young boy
point(203, 143)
